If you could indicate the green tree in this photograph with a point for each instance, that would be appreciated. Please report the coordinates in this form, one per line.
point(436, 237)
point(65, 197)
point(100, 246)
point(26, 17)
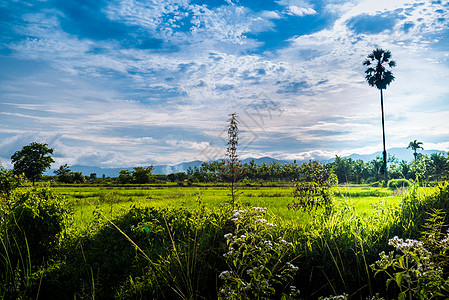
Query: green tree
point(438, 163)
point(64, 174)
point(78, 177)
point(421, 168)
point(342, 167)
point(415, 145)
point(32, 160)
point(379, 77)
point(124, 177)
point(142, 175)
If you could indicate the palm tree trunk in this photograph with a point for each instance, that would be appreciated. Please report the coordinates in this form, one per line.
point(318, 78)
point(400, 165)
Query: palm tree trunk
point(383, 137)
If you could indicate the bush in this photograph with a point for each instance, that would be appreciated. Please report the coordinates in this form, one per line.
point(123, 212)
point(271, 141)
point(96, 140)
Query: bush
point(35, 219)
point(399, 183)
point(31, 226)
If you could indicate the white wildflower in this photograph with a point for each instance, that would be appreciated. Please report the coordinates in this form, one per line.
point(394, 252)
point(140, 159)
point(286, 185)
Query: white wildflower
point(260, 209)
point(229, 253)
point(268, 244)
point(292, 266)
point(294, 290)
point(402, 245)
point(284, 242)
point(228, 235)
point(237, 213)
point(263, 221)
point(225, 275)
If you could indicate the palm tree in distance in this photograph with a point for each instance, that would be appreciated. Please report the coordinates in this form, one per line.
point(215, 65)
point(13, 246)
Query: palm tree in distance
point(377, 75)
point(415, 145)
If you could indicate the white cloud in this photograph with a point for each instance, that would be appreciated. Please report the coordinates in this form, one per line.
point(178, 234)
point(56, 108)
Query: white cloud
point(300, 11)
point(191, 145)
point(270, 14)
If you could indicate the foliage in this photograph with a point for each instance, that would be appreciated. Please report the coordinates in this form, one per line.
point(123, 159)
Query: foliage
point(378, 75)
point(35, 219)
point(399, 183)
point(143, 175)
point(347, 170)
point(65, 175)
point(32, 224)
point(8, 182)
point(256, 259)
point(32, 160)
point(145, 253)
point(313, 190)
point(415, 145)
point(418, 267)
point(140, 175)
point(438, 163)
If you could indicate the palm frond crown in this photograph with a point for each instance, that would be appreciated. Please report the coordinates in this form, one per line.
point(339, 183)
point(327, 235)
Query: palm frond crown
point(378, 75)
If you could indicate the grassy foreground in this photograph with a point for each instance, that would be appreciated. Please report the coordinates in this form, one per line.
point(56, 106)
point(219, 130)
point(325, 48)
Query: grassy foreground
point(185, 243)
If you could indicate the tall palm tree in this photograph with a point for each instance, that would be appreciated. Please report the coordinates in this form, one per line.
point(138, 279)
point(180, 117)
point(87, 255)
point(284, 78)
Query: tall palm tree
point(415, 145)
point(378, 76)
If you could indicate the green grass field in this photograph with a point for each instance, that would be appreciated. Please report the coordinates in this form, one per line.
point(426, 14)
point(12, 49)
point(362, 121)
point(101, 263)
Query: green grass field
point(113, 200)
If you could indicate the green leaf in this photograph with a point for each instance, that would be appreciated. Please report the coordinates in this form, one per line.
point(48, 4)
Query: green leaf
point(402, 296)
point(414, 257)
point(398, 278)
point(401, 262)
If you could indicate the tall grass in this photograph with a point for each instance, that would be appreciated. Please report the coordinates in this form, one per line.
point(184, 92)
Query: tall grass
point(16, 277)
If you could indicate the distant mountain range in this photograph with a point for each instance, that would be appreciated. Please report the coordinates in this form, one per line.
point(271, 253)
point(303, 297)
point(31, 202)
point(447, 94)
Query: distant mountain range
point(399, 153)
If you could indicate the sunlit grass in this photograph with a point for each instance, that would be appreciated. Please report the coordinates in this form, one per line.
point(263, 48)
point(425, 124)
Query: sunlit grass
point(112, 201)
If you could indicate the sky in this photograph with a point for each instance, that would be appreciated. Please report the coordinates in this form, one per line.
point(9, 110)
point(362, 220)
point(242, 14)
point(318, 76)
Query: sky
point(120, 83)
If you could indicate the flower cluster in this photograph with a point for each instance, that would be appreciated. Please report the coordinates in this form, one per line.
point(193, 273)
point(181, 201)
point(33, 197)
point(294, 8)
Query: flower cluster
point(253, 255)
point(414, 269)
point(406, 245)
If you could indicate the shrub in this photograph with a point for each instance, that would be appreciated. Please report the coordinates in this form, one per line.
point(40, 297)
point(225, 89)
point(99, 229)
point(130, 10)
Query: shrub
point(35, 219)
point(9, 182)
point(399, 183)
point(31, 226)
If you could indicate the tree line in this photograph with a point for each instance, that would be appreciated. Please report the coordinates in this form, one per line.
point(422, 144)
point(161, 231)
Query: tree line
point(32, 160)
point(429, 168)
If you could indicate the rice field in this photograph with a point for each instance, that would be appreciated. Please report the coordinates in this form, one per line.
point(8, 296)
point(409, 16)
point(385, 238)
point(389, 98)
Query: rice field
point(113, 200)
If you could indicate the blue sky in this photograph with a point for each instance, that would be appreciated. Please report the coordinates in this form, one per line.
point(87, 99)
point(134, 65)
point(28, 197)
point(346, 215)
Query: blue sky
point(138, 82)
